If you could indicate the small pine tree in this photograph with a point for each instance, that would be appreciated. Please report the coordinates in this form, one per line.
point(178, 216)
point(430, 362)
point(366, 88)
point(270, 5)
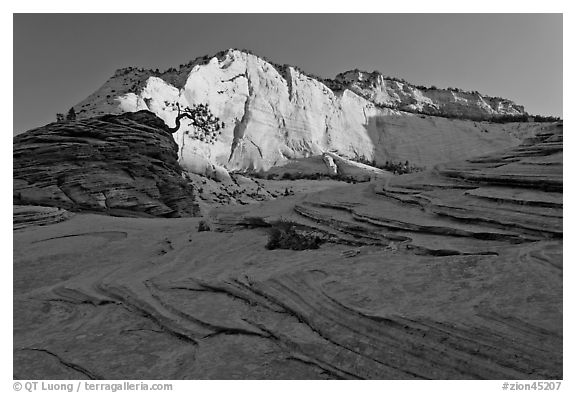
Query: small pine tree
point(71, 116)
point(59, 117)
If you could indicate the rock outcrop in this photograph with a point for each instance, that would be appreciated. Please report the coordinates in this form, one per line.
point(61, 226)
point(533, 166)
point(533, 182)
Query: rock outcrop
point(25, 216)
point(468, 207)
point(326, 165)
point(472, 206)
point(402, 95)
point(276, 113)
point(120, 165)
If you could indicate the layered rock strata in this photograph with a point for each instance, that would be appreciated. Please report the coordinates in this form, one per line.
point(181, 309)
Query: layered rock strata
point(277, 113)
point(120, 165)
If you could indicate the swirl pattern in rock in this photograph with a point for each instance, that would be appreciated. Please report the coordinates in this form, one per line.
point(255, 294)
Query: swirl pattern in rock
point(453, 273)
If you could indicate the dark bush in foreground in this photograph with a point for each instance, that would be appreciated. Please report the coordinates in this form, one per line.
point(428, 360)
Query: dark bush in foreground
point(399, 168)
point(283, 235)
point(203, 226)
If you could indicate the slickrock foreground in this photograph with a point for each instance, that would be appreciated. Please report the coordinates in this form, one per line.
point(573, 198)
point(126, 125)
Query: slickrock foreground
point(120, 165)
point(455, 272)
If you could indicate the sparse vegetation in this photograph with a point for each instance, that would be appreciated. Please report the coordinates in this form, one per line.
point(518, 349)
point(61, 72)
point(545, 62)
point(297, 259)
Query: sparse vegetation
point(71, 116)
point(398, 168)
point(285, 235)
point(207, 127)
point(524, 119)
point(203, 226)
point(303, 176)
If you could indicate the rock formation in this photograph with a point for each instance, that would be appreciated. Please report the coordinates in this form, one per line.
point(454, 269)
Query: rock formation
point(120, 165)
point(452, 273)
point(327, 165)
point(465, 207)
point(402, 95)
point(25, 216)
point(276, 113)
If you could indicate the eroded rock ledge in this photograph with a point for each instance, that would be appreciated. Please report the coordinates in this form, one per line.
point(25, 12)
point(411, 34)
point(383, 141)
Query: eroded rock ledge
point(119, 165)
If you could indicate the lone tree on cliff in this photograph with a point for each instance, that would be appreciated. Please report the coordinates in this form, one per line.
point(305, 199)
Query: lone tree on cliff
point(200, 117)
point(71, 116)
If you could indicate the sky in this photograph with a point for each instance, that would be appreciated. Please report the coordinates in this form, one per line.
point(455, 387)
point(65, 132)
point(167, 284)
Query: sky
point(60, 59)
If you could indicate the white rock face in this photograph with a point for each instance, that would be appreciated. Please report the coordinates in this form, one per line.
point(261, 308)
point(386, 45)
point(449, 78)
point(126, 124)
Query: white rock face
point(402, 95)
point(329, 161)
point(273, 114)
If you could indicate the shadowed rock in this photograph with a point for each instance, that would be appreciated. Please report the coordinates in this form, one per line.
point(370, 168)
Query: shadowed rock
point(25, 216)
point(119, 165)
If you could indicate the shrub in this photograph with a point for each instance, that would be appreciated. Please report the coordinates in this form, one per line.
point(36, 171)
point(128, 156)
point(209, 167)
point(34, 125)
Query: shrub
point(399, 168)
point(203, 226)
point(524, 119)
point(71, 116)
point(283, 235)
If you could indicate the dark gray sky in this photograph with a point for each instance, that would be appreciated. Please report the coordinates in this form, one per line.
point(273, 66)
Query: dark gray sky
point(59, 59)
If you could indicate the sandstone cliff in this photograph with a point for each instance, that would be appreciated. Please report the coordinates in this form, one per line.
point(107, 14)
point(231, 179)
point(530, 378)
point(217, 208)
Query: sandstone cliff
point(276, 113)
point(120, 165)
point(402, 95)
